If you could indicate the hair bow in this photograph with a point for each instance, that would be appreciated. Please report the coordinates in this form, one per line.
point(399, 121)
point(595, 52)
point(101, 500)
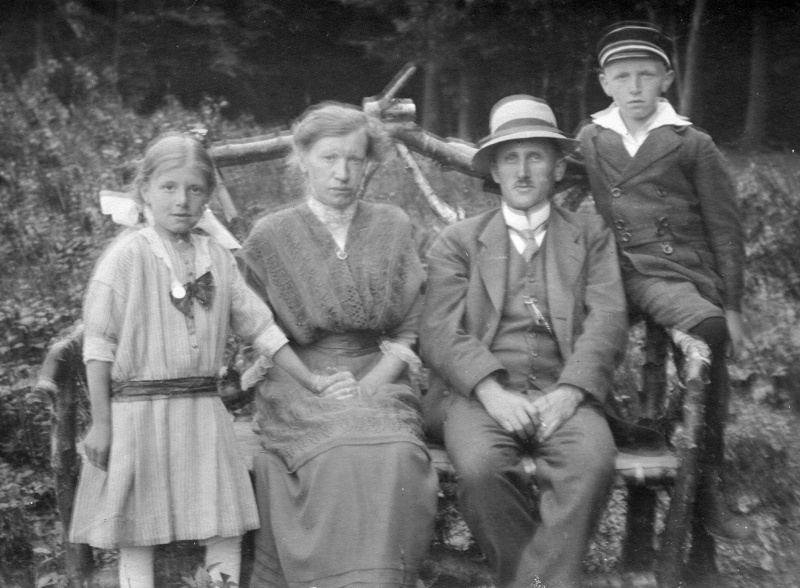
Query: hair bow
point(125, 211)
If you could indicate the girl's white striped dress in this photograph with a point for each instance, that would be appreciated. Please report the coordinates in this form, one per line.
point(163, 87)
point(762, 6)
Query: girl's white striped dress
point(174, 470)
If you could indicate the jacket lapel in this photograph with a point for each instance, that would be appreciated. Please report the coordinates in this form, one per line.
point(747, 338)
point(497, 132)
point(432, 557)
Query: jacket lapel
point(658, 144)
point(564, 259)
point(493, 259)
point(608, 147)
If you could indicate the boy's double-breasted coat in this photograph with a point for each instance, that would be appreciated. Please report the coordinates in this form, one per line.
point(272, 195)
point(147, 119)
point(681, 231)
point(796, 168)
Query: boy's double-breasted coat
point(672, 208)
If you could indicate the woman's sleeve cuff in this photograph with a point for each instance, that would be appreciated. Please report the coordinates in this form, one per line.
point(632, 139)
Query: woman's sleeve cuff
point(270, 341)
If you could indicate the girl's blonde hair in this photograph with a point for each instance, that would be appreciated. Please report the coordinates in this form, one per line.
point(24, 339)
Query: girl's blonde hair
point(169, 151)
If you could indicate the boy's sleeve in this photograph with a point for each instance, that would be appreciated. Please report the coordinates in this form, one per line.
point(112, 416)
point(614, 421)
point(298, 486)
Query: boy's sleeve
point(717, 194)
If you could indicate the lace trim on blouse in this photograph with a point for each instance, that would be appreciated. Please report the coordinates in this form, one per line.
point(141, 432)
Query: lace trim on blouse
point(332, 218)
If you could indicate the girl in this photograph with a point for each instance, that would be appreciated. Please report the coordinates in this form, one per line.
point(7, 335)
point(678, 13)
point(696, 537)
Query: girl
point(162, 460)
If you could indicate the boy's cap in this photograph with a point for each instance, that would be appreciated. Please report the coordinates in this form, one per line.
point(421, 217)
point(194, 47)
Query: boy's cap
point(515, 118)
point(630, 39)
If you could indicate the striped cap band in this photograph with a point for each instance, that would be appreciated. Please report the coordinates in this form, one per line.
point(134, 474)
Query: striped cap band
point(630, 39)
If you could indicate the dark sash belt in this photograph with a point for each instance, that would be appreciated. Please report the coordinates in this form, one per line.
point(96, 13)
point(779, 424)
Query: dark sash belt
point(154, 389)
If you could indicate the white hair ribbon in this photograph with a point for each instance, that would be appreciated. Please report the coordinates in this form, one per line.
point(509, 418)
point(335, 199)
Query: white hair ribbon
point(125, 211)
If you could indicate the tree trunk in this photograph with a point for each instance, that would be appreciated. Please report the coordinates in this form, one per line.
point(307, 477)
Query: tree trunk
point(469, 97)
point(756, 120)
point(115, 57)
point(430, 98)
point(672, 31)
point(583, 85)
point(688, 99)
point(39, 55)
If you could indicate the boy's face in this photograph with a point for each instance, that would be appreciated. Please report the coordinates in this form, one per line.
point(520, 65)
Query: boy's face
point(636, 84)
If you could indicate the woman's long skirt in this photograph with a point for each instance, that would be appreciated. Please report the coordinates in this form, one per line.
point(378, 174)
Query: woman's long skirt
point(357, 514)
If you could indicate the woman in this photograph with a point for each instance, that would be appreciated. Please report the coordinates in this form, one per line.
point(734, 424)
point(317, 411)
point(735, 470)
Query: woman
point(346, 490)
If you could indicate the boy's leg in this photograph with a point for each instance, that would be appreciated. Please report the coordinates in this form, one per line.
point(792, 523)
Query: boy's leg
point(678, 304)
point(711, 504)
point(136, 567)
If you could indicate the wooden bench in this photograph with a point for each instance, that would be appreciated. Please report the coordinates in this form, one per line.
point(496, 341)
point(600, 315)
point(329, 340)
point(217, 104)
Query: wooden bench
point(63, 376)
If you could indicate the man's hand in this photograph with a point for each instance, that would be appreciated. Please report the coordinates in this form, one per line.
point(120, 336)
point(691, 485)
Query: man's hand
point(736, 332)
point(556, 408)
point(515, 413)
point(97, 445)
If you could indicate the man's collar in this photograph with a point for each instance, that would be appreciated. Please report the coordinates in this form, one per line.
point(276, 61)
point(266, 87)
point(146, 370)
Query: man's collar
point(664, 115)
point(534, 217)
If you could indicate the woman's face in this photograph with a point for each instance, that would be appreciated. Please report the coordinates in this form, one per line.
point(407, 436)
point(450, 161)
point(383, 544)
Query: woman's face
point(177, 197)
point(334, 167)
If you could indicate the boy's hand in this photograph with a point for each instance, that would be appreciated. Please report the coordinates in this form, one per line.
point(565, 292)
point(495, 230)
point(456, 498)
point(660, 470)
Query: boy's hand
point(736, 331)
point(97, 445)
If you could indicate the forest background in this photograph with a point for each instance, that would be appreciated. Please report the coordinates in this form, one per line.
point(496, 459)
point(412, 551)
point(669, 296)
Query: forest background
point(84, 84)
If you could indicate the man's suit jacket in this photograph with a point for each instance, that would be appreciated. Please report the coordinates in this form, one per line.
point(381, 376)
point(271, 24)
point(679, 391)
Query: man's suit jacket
point(467, 276)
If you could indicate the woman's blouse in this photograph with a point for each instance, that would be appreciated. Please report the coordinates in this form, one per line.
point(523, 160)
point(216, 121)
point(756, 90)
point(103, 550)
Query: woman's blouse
point(130, 320)
point(372, 285)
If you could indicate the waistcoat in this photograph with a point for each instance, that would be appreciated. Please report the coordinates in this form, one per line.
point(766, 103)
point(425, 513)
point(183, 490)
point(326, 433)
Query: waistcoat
point(524, 345)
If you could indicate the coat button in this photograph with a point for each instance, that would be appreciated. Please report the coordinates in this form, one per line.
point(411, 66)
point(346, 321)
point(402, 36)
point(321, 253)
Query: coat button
point(616, 192)
point(620, 224)
point(667, 248)
point(626, 237)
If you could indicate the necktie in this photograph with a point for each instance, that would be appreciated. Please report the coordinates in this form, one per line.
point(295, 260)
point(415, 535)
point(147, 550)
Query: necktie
point(531, 246)
point(202, 290)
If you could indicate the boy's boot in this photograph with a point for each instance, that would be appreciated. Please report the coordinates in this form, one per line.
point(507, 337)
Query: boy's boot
point(717, 518)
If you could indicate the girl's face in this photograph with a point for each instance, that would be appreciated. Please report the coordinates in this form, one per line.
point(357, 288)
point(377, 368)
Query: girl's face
point(177, 197)
point(334, 166)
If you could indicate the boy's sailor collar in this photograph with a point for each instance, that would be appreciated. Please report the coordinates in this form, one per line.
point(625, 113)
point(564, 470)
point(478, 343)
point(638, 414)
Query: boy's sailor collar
point(664, 115)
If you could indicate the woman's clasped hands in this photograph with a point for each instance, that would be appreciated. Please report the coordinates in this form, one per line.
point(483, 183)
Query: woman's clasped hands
point(340, 385)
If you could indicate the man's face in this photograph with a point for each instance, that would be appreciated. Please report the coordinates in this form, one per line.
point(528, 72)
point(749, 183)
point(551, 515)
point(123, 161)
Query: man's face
point(527, 171)
point(636, 85)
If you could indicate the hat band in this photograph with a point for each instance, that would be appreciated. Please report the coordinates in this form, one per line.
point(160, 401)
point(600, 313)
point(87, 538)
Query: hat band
point(523, 133)
point(524, 122)
point(623, 48)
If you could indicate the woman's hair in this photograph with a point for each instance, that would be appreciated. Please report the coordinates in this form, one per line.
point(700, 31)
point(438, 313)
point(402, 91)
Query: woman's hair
point(169, 151)
point(335, 119)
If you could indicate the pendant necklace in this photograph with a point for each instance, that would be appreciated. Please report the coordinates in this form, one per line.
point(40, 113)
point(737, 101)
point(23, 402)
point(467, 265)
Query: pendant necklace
point(186, 254)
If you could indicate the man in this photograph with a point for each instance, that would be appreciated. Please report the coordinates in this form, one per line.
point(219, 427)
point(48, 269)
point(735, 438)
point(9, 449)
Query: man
point(524, 324)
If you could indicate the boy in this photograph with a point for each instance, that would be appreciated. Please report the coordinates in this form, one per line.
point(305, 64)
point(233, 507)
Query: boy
point(661, 185)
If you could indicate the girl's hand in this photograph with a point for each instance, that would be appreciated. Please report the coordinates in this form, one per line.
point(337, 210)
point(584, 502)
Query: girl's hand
point(339, 385)
point(97, 445)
